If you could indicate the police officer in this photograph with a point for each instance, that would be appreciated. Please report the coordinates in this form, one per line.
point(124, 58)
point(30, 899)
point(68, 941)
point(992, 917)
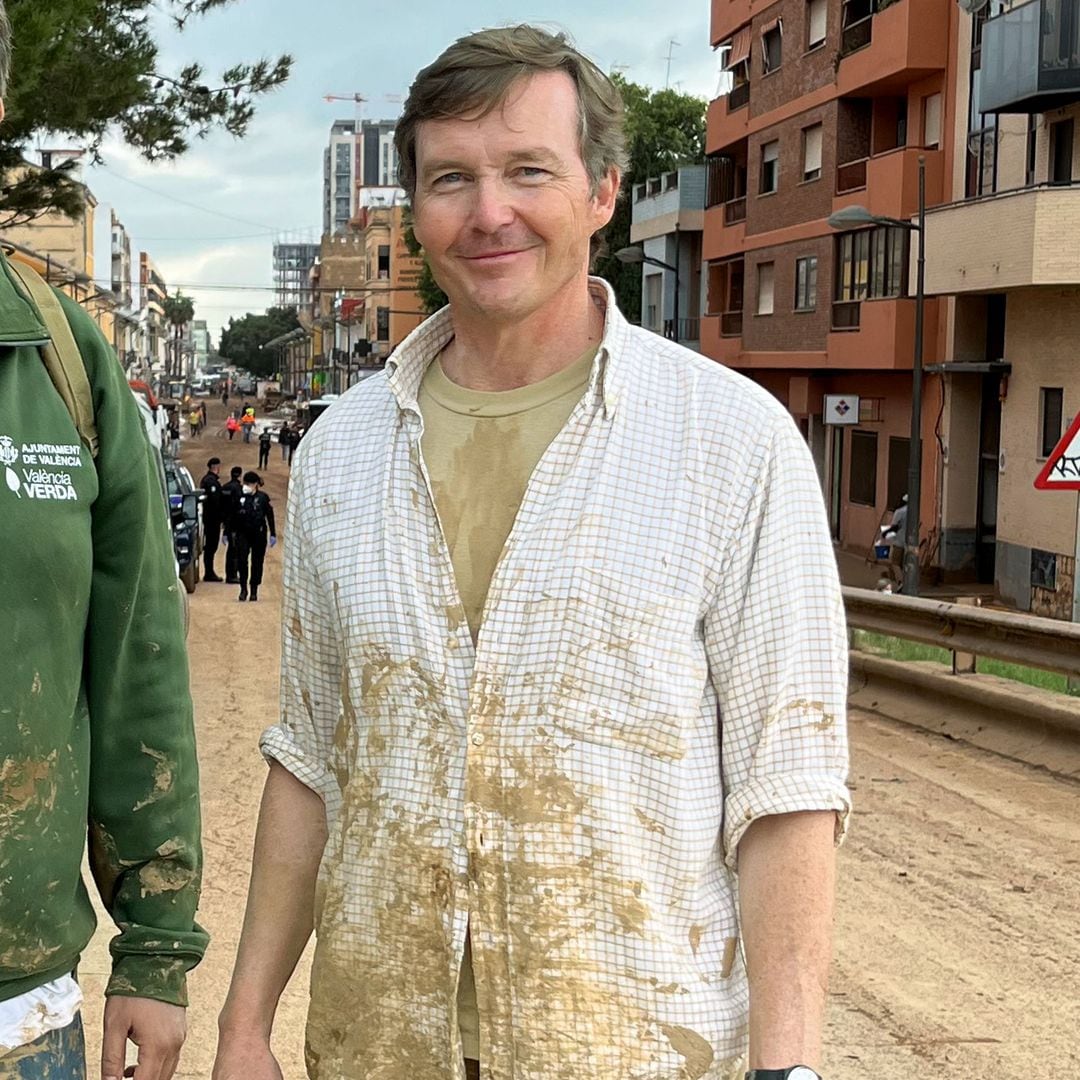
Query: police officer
point(215, 505)
point(231, 499)
point(254, 515)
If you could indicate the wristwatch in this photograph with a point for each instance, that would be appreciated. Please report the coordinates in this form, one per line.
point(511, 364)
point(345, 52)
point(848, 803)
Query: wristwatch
point(796, 1072)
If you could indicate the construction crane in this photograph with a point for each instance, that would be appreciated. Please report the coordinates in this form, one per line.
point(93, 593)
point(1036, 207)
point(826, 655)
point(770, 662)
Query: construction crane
point(360, 100)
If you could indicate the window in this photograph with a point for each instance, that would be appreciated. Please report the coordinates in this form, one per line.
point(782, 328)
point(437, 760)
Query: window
point(816, 23)
point(806, 283)
point(765, 288)
point(981, 175)
point(931, 123)
point(811, 145)
point(1044, 569)
point(1061, 152)
point(862, 483)
point(772, 42)
point(871, 264)
point(384, 261)
point(899, 453)
point(382, 324)
point(1051, 407)
point(770, 167)
point(653, 295)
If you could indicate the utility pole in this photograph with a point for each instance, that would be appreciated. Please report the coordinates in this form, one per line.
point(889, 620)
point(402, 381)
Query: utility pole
point(672, 46)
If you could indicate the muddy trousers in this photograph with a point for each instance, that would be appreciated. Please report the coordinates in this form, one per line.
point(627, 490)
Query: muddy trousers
point(472, 1069)
point(251, 554)
point(58, 1055)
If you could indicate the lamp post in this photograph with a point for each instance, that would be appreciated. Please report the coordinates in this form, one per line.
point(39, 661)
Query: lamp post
point(635, 256)
point(855, 217)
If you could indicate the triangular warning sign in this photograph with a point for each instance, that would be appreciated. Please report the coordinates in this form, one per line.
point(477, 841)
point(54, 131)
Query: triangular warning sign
point(1062, 469)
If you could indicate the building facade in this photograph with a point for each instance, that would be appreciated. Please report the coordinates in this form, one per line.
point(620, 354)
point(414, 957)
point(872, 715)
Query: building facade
point(339, 177)
point(667, 221)
point(836, 103)
point(155, 330)
point(292, 273)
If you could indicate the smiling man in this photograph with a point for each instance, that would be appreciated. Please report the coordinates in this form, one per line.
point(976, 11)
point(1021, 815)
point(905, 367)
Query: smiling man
point(526, 573)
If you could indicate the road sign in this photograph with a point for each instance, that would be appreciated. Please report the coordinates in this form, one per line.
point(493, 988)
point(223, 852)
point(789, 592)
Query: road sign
point(1062, 469)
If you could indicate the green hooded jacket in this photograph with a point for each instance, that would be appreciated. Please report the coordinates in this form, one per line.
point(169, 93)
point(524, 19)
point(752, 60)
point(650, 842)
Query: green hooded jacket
point(96, 733)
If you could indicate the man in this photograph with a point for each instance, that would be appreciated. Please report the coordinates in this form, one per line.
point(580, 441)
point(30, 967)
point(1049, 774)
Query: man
point(215, 505)
point(231, 493)
point(247, 423)
point(254, 516)
point(266, 439)
point(95, 714)
point(526, 568)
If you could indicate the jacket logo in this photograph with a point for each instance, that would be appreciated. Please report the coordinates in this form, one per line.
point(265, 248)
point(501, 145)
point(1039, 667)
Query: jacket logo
point(40, 483)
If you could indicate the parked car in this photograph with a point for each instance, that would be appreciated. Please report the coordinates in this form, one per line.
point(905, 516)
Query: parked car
point(185, 506)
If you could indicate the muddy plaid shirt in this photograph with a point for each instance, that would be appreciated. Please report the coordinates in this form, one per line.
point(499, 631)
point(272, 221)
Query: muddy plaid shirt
point(565, 786)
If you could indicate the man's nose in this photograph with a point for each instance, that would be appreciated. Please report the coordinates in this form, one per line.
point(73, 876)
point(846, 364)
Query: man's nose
point(493, 207)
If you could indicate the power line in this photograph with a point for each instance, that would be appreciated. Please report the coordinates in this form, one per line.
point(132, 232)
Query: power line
point(194, 206)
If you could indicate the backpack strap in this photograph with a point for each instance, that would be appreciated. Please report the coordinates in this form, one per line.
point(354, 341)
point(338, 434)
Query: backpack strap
point(62, 358)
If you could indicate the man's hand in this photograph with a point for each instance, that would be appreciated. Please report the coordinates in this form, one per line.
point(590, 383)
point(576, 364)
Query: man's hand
point(156, 1028)
point(245, 1057)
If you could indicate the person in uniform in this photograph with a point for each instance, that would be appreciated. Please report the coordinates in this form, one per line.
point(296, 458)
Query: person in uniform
point(253, 528)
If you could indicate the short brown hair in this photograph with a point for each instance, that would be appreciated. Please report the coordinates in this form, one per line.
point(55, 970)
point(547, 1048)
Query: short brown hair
point(5, 49)
point(475, 74)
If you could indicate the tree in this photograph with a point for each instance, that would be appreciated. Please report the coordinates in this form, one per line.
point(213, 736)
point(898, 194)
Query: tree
point(179, 311)
point(242, 339)
point(428, 289)
point(665, 129)
point(83, 68)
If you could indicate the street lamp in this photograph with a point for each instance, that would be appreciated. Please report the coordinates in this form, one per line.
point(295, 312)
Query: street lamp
point(635, 256)
point(855, 217)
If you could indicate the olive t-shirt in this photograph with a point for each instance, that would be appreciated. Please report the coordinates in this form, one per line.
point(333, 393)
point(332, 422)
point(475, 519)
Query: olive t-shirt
point(480, 449)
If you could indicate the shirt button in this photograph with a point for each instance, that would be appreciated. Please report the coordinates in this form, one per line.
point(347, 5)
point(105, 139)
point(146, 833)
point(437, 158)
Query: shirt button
point(478, 738)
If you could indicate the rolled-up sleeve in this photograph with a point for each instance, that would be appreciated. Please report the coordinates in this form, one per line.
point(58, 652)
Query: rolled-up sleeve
point(302, 740)
point(777, 648)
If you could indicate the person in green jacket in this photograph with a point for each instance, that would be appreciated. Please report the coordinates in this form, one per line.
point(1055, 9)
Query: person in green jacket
point(96, 731)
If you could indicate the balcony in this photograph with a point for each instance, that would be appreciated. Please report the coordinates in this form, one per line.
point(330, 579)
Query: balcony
point(888, 184)
point(716, 345)
point(724, 128)
point(1031, 58)
point(1009, 241)
point(724, 236)
point(882, 337)
point(729, 15)
point(735, 211)
point(689, 331)
point(738, 97)
point(901, 42)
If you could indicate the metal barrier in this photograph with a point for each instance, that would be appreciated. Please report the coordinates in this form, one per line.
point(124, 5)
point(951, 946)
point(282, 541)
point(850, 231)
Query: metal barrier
point(969, 631)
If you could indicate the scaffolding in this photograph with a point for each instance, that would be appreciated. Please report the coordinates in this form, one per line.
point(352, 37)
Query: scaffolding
point(292, 274)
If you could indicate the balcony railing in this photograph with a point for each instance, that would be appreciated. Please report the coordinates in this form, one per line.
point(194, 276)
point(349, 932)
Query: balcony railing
point(845, 314)
point(851, 176)
point(689, 330)
point(735, 211)
point(731, 324)
point(738, 97)
point(856, 36)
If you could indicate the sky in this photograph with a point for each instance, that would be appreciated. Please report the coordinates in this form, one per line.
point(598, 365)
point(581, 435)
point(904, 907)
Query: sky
point(209, 219)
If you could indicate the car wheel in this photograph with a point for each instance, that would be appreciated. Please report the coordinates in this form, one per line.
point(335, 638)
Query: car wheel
point(190, 576)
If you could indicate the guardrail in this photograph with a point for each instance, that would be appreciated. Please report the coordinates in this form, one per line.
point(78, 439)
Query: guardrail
point(968, 632)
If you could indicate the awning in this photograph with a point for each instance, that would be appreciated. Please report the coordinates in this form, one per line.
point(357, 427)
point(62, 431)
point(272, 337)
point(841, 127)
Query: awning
point(773, 24)
point(740, 49)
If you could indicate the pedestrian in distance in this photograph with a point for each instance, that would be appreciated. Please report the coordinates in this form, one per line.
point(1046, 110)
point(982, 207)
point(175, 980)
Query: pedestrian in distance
point(266, 440)
point(174, 435)
point(253, 527)
point(96, 733)
point(247, 424)
point(232, 426)
point(548, 809)
point(215, 506)
point(284, 439)
point(225, 398)
point(194, 419)
point(231, 492)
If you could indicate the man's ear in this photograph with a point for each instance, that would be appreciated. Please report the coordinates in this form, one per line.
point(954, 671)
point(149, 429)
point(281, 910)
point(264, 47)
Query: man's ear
point(607, 195)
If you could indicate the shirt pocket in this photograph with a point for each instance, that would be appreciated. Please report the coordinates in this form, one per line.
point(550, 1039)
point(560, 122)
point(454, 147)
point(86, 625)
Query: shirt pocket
point(630, 665)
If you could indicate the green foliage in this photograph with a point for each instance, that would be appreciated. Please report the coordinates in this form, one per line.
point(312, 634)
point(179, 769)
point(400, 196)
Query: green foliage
point(179, 310)
point(431, 294)
point(84, 67)
point(665, 129)
point(240, 340)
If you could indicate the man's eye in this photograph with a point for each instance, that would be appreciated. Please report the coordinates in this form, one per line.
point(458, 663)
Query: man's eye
point(532, 172)
point(449, 178)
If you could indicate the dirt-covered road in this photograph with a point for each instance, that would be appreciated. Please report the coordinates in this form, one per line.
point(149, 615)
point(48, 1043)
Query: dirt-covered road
point(958, 935)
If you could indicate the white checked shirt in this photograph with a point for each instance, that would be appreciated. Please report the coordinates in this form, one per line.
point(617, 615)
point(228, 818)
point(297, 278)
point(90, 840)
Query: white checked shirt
point(565, 787)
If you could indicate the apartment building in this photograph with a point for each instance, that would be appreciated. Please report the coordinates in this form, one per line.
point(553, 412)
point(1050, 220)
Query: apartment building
point(155, 329)
point(359, 157)
point(667, 219)
point(1005, 252)
point(831, 104)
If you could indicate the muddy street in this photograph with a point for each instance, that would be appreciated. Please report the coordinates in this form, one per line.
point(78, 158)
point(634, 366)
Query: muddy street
point(958, 933)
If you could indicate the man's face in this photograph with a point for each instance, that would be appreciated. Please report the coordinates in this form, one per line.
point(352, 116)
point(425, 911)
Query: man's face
point(503, 205)
point(215, 469)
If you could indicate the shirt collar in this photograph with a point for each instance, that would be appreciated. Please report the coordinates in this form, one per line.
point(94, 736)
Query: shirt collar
point(405, 368)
